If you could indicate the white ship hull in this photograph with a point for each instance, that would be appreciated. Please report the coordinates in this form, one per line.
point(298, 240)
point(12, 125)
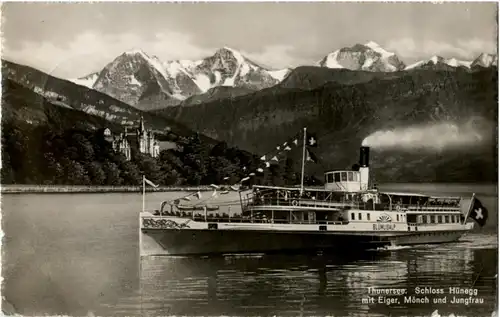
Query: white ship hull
point(195, 238)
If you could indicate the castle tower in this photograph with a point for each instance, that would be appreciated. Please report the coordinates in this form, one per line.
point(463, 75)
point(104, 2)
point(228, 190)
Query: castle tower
point(141, 125)
point(151, 140)
point(140, 135)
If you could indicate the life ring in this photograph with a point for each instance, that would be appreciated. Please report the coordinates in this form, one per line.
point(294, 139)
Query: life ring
point(295, 203)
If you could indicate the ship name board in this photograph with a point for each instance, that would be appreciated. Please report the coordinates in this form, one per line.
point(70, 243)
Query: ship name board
point(384, 226)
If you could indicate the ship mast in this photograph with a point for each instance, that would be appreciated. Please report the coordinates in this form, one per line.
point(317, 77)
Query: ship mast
point(303, 162)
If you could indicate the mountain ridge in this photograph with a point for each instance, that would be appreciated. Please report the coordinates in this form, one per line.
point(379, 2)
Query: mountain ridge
point(146, 83)
point(151, 84)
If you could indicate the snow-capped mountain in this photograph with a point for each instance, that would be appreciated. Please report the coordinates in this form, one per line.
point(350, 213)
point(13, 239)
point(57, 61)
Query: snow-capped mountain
point(228, 67)
point(369, 57)
point(485, 60)
point(87, 81)
point(439, 63)
point(147, 83)
point(142, 81)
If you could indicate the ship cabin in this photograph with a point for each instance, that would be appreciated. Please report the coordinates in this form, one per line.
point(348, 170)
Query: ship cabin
point(310, 205)
point(345, 181)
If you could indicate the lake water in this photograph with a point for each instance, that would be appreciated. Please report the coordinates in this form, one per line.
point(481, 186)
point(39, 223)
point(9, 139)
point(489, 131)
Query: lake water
point(77, 254)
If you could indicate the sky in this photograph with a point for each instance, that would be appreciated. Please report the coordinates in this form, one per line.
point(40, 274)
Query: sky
point(70, 40)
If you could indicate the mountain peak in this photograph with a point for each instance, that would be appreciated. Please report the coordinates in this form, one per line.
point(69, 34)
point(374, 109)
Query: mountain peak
point(224, 51)
point(136, 52)
point(485, 60)
point(227, 48)
point(369, 57)
point(372, 45)
point(436, 59)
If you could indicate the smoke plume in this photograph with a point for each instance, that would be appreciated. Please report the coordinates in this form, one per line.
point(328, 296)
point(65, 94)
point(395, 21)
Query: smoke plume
point(432, 136)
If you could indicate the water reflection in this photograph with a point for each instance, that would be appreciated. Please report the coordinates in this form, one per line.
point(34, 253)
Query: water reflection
point(318, 284)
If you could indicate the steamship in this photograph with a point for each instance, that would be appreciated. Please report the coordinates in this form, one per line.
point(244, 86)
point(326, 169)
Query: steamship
point(347, 214)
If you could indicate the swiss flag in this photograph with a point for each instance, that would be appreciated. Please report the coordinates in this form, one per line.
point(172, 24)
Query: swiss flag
point(479, 213)
point(311, 140)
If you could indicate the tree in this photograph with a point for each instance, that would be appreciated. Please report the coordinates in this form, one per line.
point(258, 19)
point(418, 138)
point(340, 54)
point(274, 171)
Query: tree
point(76, 173)
point(7, 174)
point(147, 166)
point(54, 173)
point(219, 149)
point(112, 174)
point(130, 173)
point(96, 174)
point(84, 147)
point(218, 169)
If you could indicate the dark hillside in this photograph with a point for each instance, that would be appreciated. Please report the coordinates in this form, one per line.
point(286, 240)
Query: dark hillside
point(346, 114)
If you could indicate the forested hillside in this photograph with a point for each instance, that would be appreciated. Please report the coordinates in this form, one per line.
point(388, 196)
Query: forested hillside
point(344, 114)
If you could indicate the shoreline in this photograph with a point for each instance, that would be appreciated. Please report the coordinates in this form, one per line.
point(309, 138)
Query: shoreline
point(75, 189)
point(72, 189)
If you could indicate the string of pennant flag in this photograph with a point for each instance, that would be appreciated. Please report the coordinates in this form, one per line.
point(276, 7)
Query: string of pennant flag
point(311, 141)
point(266, 160)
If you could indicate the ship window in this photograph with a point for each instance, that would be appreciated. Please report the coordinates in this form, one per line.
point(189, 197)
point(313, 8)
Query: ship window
point(356, 176)
point(337, 177)
point(352, 216)
point(397, 217)
point(446, 219)
point(368, 216)
point(350, 176)
point(306, 216)
point(330, 178)
point(359, 216)
point(344, 176)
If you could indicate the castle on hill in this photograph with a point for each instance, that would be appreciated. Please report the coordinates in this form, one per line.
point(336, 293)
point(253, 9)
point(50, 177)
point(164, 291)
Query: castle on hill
point(140, 138)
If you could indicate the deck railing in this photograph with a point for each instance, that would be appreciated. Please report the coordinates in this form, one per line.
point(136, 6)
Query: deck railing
point(247, 219)
point(346, 204)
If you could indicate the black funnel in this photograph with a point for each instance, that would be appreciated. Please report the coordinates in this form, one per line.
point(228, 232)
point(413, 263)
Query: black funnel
point(364, 156)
